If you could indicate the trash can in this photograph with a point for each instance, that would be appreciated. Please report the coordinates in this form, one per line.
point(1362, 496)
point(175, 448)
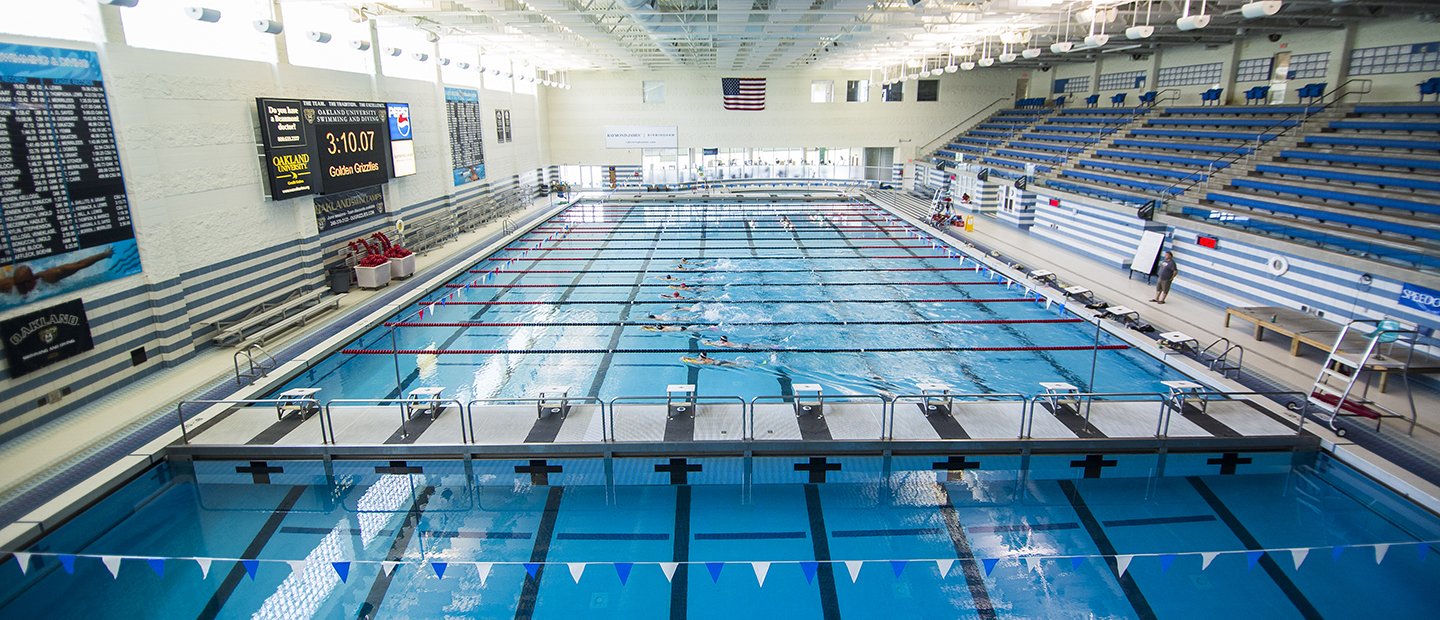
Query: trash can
point(339, 278)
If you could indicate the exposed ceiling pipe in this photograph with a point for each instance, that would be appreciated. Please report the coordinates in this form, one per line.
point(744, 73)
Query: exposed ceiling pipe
point(643, 13)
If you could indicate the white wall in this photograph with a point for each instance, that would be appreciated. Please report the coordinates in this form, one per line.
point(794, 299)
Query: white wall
point(693, 103)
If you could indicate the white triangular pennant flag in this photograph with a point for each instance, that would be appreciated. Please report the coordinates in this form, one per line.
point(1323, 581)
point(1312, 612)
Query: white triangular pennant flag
point(1032, 563)
point(112, 563)
point(296, 566)
point(1380, 551)
point(483, 568)
point(204, 566)
point(1122, 562)
point(944, 566)
point(388, 567)
point(854, 567)
point(1299, 556)
point(23, 559)
point(576, 570)
point(669, 569)
point(1206, 557)
point(761, 569)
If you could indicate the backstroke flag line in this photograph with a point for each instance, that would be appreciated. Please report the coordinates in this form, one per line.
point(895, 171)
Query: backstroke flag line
point(747, 94)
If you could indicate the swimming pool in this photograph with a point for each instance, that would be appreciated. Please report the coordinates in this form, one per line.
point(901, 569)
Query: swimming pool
point(840, 294)
point(1250, 534)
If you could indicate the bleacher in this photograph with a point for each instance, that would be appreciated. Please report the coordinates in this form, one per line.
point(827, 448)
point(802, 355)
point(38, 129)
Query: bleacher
point(990, 134)
point(1361, 185)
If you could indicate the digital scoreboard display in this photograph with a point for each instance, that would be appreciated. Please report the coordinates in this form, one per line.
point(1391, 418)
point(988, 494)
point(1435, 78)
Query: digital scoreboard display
point(325, 147)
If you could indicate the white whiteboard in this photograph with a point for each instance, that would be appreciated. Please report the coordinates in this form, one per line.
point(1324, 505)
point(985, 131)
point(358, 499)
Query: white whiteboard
point(1149, 250)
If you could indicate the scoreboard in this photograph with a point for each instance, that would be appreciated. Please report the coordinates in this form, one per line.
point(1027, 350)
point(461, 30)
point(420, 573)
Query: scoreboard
point(322, 146)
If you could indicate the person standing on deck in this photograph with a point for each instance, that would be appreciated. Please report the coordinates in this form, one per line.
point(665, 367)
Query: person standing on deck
point(1166, 275)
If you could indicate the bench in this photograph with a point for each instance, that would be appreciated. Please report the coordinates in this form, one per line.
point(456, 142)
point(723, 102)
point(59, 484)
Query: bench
point(1351, 177)
point(294, 320)
point(1050, 137)
point(1239, 110)
point(1076, 188)
point(1411, 109)
point(1349, 243)
point(1049, 159)
point(1164, 159)
point(1205, 135)
point(1379, 143)
point(1181, 146)
point(1385, 126)
point(985, 133)
point(1157, 172)
point(1142, 185)
point(1363, 160)
point(235, 326)
point(1064, 128)
point(1224, 122)
point(1406, 229)
point(1044, 146)
point(1348, 197)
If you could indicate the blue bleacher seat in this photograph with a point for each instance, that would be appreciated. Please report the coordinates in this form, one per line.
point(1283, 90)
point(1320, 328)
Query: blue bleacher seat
point(1349, 197)
point(1386, 126)
point(1183, 146)
point(1410, 109)
point(1092, 100)
point(1430, 87)
point(1257, 94)
point(1117, 100)
point(1168, 173)
point(1046, 146)
point(1117, 196)
point(1226, 122)
point(1310, 92)
point(1212, 96)
point(1052, 159)
point(1384, 181)
point(1148, 97)
point(1379, 143)
point(1329, 216)
point(1363, 160)
point(1060, 101)
point(1163, 159)
point(1213, 135)
point(1346, 243)
point(1123, 182)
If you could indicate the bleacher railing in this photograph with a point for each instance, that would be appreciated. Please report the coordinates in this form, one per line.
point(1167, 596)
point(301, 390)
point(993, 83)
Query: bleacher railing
point(929, 148)
point(1250, 150)
point(472, 415)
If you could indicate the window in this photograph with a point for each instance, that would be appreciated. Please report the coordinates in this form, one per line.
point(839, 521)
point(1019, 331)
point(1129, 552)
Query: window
point(1064, 86)
point(406, 65)
point(77, 20)
point(162, 25)
point(893, 92)
point(1189, 74)
point(1406, 58)
point(652, 91)
point(339, 53)
point(1124, 80)
point(822, 91)
point(1306, 66)
point(1253, 70)
point(857, 91)
point(927, 90)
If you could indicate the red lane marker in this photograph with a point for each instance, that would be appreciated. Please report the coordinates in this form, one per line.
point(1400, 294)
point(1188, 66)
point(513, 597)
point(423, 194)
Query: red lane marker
point(892, 269)
point(593, 302)
point(968, 283)
point(1103, 347)
point(788, 323)
point(498, 258)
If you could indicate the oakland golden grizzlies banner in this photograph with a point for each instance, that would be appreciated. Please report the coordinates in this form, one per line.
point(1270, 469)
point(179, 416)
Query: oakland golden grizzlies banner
point(39, 339)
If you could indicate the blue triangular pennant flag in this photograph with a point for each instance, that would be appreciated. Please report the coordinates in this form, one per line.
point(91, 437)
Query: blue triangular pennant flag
point(250, 567)
point(1075, 562)
point(898, 566)
point(1423, 549)
point(623, 570)
point(714, 568)
point(1335, 553)
point(532, 568)
point(68, 562)
point(157, 565)
point(342, 569)
point(989, 564)
point(439, 569)
point(809, 569)
point(1165, 562)
point(1252, 557)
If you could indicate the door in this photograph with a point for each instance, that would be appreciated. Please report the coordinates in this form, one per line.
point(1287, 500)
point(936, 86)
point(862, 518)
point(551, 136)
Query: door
point(879, 163)
point(1279, 76)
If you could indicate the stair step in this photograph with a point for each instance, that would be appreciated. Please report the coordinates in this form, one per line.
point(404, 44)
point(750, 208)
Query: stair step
point(1322, 406)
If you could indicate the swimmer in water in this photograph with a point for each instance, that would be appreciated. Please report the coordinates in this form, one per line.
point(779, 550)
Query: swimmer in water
point(724, 341)
point(675, 295)
point(682, 287)
point(669, 277)
point(705, 360)
point(664, 328)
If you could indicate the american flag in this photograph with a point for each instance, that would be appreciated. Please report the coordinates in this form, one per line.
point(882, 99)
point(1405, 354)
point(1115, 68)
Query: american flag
point(744, 93)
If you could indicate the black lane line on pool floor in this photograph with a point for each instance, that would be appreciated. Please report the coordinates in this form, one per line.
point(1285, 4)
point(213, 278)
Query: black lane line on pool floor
point(598, 380)
point(1073, 421)
point(237, 573)
point(944, 424)
point(825, 572)
point(398, 545)
point(679, 583)
point(530, 592)
point(1107, 549)
point(1267, 561)
point(411, 429)
point(974, 576)
point(1208, 424)
point(812, 426)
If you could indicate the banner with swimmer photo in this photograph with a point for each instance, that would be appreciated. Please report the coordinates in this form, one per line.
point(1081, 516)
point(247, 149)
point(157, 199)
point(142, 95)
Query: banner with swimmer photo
point(64, 215)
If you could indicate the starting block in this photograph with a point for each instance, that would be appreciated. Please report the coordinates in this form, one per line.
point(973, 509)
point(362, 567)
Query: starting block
point(298, 400)
point(680, 400)
point(423, 401)
point(553, 400)
point(936, 398)
point(809, 400)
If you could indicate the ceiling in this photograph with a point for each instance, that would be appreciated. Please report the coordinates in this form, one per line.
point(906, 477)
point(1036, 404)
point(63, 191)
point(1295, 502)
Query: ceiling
point(767, 35)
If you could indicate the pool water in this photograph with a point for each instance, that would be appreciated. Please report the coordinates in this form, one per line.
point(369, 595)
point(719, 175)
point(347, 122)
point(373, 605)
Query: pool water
point(840, 294)
point(1273, 535)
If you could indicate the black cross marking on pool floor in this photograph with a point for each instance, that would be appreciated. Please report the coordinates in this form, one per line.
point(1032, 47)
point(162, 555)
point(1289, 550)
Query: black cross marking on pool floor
point(259, 471)
point(819, 467)
point(1228, 461)
point(679, 470)
point(954, 467)
point(400, 467)
point(539, 471)
point(1094, 464)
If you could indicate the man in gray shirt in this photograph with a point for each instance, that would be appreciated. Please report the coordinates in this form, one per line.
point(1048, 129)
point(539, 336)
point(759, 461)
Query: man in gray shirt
point(1166, 274)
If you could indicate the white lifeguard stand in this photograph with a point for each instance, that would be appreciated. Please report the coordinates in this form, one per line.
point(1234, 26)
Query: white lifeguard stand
point(809, 399)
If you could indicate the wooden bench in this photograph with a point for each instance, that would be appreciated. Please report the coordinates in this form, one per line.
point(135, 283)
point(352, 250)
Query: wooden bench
point(1320, 333)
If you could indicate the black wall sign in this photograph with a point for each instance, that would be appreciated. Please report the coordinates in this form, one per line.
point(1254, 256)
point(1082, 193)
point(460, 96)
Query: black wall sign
point(289, 154)
point(345, 208)
point(500, 126)
point(352, 138)
point(39, 339)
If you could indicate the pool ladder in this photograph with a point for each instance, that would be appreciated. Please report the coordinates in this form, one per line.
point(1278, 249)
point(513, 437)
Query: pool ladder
point(1217, 354)
point(258, 361)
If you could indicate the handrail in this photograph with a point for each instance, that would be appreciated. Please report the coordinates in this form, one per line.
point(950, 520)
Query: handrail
point(1301, 398)
point(1235, 154)
point(250, 359)
point(884, 404)
point(1088, 398)
point(697, 399)
point(470, 408)
point(329, 420)
point(180, 410)
point(953, 131)
point(969, 396)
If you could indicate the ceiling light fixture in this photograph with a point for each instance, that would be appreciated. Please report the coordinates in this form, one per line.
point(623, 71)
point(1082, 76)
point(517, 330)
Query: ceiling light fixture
point(1193, 22)
point(1255, 10)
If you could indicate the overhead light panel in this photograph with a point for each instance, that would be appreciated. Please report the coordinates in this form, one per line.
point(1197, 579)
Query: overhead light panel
point(1030, 52)
point(987, 61)
point(967, 65)
point(202, 14)
point(1062, 47)
point(1008, 57)
point(1139, 32)
point(1097, 40)
point(1254, 10)
point(318, 36)
point(268, 26)
point(357, 44)
point(1192, 22)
